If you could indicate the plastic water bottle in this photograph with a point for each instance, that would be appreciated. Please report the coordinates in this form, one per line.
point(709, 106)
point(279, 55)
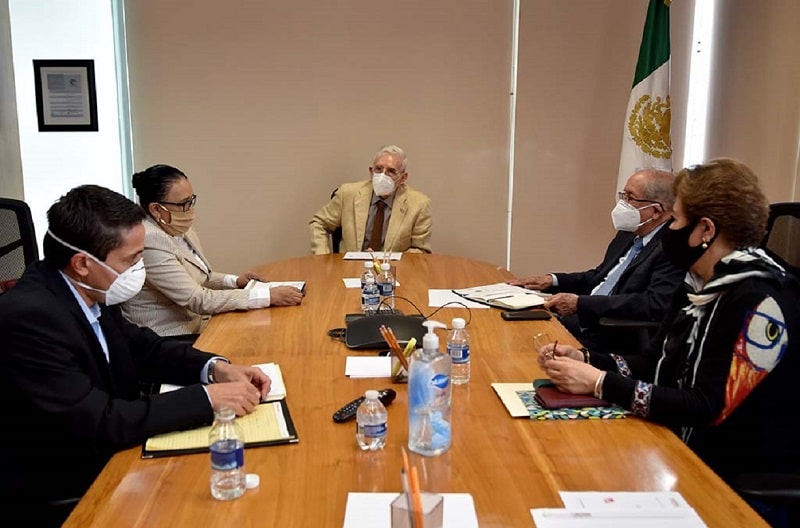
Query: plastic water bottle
point(429, 396)
point(368, 271)
point(371, 423)
point(386, 287)
point(370, 298)
point(226, 443)
point(458, 349)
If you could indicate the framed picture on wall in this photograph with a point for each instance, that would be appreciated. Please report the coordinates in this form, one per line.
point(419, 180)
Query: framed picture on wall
point(66, 100)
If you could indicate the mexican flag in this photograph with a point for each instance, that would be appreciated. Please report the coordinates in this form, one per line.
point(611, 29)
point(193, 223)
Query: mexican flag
point(646, 138)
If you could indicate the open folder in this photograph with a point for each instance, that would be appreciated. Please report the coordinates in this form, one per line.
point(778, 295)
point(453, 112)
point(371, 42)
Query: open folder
point(502, 295)
point(269, 424)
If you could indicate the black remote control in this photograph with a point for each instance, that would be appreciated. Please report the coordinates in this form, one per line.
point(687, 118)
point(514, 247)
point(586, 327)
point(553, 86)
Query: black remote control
point(348, 412)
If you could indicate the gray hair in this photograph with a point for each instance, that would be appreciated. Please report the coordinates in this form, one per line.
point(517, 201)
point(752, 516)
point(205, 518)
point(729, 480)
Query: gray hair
point(393, 150)
point(658, 186)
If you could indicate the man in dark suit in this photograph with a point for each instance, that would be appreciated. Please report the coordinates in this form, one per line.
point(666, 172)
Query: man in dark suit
point(634, 280)
point(72, 365)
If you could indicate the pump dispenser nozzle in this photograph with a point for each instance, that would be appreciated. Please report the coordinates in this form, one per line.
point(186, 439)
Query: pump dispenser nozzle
point(430, 341)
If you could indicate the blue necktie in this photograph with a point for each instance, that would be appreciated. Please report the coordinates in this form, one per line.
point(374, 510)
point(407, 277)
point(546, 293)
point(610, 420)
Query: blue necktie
point(613, 278)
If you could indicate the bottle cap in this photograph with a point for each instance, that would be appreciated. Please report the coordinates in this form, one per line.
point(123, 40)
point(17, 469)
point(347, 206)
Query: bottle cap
point(252, 481)
point(367, 263)
point(371, 395)
point(385, 266)
point(459, 323)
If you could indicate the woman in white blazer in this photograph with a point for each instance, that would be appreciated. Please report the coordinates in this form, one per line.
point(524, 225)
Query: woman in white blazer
point(182, 291)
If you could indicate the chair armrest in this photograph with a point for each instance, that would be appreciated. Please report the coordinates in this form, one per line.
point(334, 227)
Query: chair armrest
point(628, 323)
point(770, 487)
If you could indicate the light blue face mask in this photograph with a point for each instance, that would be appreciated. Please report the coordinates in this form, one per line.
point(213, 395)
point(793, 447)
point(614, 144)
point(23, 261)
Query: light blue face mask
point(125, 286)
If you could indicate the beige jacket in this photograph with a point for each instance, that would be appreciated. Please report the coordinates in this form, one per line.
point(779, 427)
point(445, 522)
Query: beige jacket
point(179, 295)
point(409, 226)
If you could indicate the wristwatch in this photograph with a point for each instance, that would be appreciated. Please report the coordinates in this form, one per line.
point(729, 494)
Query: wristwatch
point(211, 365)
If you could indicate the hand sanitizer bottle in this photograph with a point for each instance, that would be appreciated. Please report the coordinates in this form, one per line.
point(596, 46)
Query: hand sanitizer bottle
point(429, 396)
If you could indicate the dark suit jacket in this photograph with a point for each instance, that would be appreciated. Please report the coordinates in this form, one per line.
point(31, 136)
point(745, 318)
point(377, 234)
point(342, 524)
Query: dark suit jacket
point(643, 292)
point(66, 408)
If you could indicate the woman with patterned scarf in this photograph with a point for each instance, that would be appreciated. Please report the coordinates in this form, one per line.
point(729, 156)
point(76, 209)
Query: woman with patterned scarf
point(722, 370)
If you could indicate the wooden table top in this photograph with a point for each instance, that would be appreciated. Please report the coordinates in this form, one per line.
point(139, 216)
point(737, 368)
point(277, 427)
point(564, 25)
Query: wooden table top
point(508, 465)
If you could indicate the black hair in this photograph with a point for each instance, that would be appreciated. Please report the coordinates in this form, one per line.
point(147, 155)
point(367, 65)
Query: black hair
point(154, 183)
point(91, 218)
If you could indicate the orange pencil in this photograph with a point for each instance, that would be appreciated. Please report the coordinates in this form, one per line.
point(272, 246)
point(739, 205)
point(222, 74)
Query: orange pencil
point(416, 498)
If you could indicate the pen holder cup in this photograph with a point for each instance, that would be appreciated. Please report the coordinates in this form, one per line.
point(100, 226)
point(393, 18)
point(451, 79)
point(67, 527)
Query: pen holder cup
point(432, 511)
point(399, 374)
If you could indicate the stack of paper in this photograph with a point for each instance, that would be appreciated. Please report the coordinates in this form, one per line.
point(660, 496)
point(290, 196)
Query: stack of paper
point(368, 367)
point(374, 510)
point(277, 389)
point(596, 509)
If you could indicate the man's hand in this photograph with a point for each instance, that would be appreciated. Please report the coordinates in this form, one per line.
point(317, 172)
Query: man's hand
point(537, 282)
point(242, 280)
point(569, 375)
point(225, 373)
point(285, 296)
point(241, 396)
point(563, 304)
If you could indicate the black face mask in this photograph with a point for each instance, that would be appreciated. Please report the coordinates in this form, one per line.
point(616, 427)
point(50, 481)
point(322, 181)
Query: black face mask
point(675, 243)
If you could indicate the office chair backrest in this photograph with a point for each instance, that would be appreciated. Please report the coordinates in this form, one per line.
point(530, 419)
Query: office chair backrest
point(783, 235)
point(17, 239)
point(336, 236)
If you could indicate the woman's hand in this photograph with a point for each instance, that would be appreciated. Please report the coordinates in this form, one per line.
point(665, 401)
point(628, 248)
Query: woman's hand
point(570, 375)
point(243, 279)
point(285, 296)
point(552, 350)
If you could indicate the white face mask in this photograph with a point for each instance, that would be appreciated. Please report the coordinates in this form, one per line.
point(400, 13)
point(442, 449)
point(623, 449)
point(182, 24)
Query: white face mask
point(382, 184)
point(125, 286)
point(626, 217)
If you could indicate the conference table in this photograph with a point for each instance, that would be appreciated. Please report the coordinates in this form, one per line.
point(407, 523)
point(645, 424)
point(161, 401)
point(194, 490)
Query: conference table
point(508, 465)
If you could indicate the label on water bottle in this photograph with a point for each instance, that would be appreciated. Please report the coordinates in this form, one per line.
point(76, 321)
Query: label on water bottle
point(227, 455)
point(375, 431)
point(458, 353)
point(386, 288)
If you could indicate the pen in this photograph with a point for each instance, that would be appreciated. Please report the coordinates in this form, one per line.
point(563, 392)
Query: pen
point(552, 354)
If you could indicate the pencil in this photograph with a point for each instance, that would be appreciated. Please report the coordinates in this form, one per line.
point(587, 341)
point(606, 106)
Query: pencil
point(415, 497)
point(394, 347)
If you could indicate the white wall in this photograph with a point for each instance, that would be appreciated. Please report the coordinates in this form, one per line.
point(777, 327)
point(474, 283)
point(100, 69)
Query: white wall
point(54, 162)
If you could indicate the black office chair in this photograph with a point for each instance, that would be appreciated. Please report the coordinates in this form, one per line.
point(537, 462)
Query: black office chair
point(17, 241)
point(782, 243)
point(336, 236)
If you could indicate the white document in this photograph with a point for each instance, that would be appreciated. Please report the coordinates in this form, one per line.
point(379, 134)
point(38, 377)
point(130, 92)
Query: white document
point(373, 510)
point(628, 500)
point(508, 395)
point(368, 367)
point(365, 255)
point(619, 509)
point(437, 298)
point(300, 285)
point(277, 389)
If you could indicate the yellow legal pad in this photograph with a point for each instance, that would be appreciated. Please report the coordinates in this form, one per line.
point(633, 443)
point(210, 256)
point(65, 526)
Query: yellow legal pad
point(269, 424)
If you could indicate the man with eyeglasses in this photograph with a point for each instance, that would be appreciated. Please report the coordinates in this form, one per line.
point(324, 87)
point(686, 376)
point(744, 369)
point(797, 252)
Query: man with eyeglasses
point(72, 366)
point(380, 214)
point(634, 281)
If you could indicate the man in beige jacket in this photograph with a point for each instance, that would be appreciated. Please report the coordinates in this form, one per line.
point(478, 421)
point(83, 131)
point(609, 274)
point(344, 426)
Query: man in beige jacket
point(381, 214)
